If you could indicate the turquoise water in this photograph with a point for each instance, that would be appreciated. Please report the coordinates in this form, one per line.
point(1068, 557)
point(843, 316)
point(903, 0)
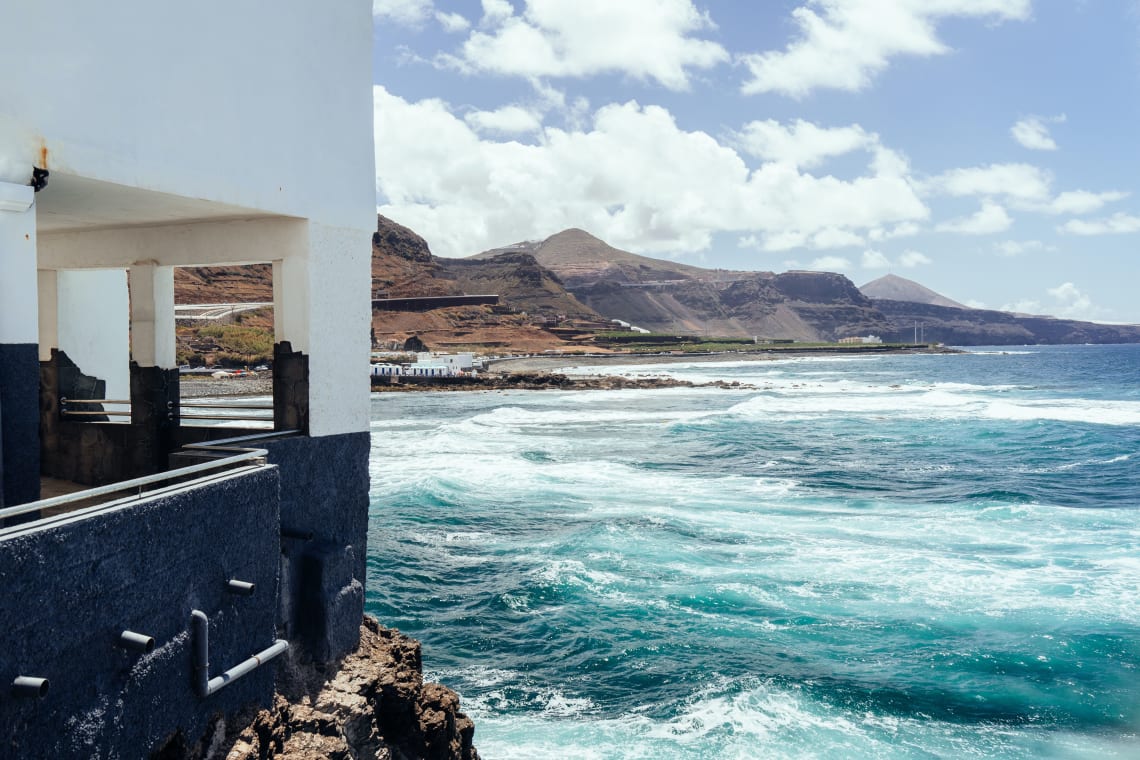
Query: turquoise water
point(896, 556)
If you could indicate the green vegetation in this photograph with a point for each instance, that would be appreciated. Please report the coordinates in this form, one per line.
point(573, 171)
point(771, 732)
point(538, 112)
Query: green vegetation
point(236, 344)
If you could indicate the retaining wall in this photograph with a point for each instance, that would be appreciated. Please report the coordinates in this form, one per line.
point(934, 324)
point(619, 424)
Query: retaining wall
point(68, 590)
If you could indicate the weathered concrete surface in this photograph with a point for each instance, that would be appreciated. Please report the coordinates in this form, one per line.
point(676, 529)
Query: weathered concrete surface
point(375, 706)
point(71, 589)
point(19, 423)
point(324, 496)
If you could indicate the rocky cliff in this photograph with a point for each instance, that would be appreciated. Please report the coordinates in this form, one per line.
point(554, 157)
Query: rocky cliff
point(376, 706)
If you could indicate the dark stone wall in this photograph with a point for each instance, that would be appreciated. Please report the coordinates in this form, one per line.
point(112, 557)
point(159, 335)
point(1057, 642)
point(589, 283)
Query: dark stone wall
point(19, 424)
point(71, 588)
point(96, 453)
point(324, 524)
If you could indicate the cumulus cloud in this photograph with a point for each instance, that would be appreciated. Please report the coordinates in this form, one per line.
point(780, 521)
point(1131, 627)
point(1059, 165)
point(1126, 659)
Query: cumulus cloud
point(1066, 300)
point(1117, 224)
point(630, 175)
point(875, 260)
point(1082, 201)
point(452, 23)
point(1032, 133)
point(403, 12)
point(912, 259)
point(844, 44)
point(1017, 247)
point(988, 220)
point(1016, 181)
point(652, 40)
point(831, 264)
point(506, 120)
point(801, 143)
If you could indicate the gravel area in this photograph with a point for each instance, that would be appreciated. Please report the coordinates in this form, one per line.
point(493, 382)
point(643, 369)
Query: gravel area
point(190, 386)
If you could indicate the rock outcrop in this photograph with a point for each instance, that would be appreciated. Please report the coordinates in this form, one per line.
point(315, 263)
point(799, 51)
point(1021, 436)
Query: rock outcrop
point(376, 707)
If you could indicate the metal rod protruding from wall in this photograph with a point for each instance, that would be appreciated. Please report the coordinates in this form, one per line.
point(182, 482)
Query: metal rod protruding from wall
point(200, 634)
point(27, 686)
point(240, 588)
point(136, 642)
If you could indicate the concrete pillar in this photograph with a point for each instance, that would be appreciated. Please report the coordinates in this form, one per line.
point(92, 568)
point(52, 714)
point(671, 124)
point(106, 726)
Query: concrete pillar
point(152, 315)
point(48, 289)
point(19, 355)
point(94, 325)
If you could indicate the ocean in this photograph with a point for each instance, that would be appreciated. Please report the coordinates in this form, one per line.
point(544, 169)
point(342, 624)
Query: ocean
point(927, 556)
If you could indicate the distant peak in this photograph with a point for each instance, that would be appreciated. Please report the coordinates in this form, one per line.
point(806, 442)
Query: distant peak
point(891, 287)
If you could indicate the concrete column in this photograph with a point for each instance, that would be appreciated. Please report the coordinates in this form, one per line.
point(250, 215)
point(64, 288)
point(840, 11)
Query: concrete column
point(19, 355)
point(152, 315)
point(94, 325)
point(339, 317)
point(48, 289)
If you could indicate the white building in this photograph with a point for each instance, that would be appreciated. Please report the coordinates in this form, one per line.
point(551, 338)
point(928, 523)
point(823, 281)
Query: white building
point(177, 134)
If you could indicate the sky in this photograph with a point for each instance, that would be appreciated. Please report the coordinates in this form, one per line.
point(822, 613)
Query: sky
point(988, 149)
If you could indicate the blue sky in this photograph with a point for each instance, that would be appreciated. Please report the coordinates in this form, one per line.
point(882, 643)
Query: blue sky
point(985, 148)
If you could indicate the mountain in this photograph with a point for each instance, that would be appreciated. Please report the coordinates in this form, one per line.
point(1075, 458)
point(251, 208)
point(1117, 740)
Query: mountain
point(579, 258)
point(983, 327)
point(667, 296)
point(895, 288)
point(575, 276)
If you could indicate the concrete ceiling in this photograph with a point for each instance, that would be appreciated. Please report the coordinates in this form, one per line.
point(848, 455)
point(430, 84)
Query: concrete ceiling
point(75, 203)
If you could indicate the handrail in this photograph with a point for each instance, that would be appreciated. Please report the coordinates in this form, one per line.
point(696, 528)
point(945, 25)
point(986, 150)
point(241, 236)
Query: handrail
point(252, 455)
point(66, 400)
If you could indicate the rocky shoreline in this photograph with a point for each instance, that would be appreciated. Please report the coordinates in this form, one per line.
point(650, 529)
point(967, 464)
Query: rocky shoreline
point(544, 381)
point(375, 706)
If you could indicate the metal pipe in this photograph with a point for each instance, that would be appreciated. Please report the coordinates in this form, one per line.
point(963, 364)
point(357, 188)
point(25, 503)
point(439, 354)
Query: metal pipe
point(69, 413)
point(27, 686)
point(200, 633)
point(136, 642)
point(234, 418)
point(266, 407)
point(248, 455)
point(93, 401)
point(240, 588)
point(247, 666)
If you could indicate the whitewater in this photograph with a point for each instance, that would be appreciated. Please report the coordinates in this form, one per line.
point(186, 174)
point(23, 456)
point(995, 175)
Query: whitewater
point(898, 556)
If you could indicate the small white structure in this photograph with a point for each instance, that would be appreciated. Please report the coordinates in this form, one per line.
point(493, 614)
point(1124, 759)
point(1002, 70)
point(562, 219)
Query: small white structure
point(456, 361)
point(867, 340)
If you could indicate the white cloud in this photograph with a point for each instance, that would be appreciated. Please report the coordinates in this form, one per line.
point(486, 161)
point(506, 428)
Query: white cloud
point(1067, 301)
point(453, 23)
point(801, 143)
point(1071, 302)
point(875, 260)
point(831, 264)
point(988, 220)
point(630, 175)
point(1032, 133)
point(646, 39)
point(1018, 247)
point(844, 44)
point(1018, 181)
point(905, 229)
point(1117, 224)
point(912, 259)
point(1082, 201)
point(403, 12)
point(507, 120)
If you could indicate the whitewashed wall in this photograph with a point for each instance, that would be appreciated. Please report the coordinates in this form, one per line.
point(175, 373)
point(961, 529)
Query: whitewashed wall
point(210, 132)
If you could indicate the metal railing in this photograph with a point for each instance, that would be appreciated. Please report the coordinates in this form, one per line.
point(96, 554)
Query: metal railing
point(243, 454)
point(65, 410)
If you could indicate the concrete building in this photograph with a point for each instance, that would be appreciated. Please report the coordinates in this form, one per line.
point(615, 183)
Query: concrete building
point(136, 137)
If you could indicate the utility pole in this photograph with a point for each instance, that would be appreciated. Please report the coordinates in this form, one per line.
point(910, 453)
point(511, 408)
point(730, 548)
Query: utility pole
point(916, 332)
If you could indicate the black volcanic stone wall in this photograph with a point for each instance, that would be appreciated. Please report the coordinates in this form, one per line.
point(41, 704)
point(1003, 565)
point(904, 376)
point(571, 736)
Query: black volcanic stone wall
point(19, 423)
point(324, 522)
point(70, 590)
